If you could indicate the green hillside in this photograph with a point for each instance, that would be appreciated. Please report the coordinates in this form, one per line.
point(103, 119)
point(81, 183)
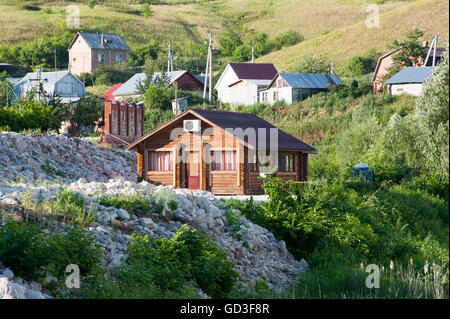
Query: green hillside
point(334, 28)
point(431, 16)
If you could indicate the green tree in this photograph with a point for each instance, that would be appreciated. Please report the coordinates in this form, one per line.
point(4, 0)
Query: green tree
point(229, 41)
point(312, 64)
point(87, 111)
point(146, 11)
point(432, 118)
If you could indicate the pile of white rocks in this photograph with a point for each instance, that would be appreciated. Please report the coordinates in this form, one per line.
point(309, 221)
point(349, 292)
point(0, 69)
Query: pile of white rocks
point(48, 157)
point(256, 253)
point(17, 288)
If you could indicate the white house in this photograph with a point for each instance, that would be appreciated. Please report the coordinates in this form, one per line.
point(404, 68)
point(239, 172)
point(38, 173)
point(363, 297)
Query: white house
point(409, 80)
point(240, 83)
point(291, 87)
point(60, 84)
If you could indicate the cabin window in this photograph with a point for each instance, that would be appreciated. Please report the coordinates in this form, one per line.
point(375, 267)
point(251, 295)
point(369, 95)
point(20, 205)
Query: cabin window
point(160, 161)
point(275, 96)
point(101, 57)
point(118, 57)
point(286, 163)
point(224, 161)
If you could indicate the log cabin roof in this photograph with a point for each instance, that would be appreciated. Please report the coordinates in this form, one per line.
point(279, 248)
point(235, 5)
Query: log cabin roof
point(229, 121)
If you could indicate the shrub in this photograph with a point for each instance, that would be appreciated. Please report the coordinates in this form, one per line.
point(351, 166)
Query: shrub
point(311, 64)
point(134, 204)
point(161, 199)
point(33, 256)
point(360, 65)
point(170, 264)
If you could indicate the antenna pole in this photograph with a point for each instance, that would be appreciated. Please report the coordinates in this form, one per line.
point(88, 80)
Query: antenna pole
point(210, 67)
point(429, 51)
point(169, 61)
point(435, 47)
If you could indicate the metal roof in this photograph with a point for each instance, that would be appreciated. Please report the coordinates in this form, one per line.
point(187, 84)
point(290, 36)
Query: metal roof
point(310, 80)
point(254, 71)
point(130, 86)
point(411, 75)
point(111, 41)
point(48, 80)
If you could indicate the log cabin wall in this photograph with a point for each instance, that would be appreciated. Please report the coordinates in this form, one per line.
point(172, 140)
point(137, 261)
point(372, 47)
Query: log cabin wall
point(254, 183)
point(211, 138)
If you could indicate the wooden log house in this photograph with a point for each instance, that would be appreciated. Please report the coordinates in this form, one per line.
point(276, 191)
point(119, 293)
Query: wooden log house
point(209, 150)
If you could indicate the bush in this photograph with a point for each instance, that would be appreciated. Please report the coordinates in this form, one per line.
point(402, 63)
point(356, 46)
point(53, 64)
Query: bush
point(161, 199)
point(28, 114)
point(312, 64)
point(33, 256)
point(170, 264)
point(133, 204)
point(360, 65)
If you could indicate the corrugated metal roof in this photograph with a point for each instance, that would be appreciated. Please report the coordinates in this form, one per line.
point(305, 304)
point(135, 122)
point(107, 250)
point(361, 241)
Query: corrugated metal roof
point(113, 41)
point(254, 71)
point(234, 120)
point(48, 79)
point(411, 75)
point(310, 80)
point(130, 86)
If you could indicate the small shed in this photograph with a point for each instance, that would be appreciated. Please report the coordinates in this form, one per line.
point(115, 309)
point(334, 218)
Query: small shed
point(291, 87)
point(409, 80)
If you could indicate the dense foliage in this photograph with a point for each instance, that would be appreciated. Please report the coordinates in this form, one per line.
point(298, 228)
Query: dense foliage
point(29, 114)
point(171, 263)
point(33, 255)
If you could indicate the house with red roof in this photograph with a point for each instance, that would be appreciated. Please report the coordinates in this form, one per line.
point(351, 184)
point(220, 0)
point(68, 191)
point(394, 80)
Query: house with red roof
point(241, 83)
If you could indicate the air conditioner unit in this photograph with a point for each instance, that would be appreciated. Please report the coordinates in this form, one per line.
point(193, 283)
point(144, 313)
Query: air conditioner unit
point(191, 125)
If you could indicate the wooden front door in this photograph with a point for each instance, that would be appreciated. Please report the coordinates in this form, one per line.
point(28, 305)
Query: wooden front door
point(193, 170)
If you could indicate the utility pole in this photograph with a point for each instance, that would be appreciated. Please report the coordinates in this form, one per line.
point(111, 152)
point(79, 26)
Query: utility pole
point(208, 72)
point(253, 54)
point(170, 59)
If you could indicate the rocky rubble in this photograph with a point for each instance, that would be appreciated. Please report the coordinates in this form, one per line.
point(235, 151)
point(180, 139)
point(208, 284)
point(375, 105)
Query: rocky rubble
point(17, 288)
point(52, 156)
point(257, 255)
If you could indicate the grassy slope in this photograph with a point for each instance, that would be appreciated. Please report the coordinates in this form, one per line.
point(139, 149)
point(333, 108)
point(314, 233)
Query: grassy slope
point(191, 20)
point(429, 15)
